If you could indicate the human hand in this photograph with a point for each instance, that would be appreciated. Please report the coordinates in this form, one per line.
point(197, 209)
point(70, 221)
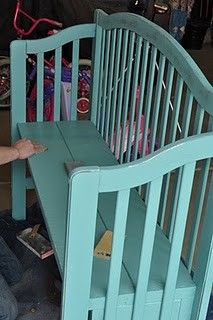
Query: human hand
point(26, 148)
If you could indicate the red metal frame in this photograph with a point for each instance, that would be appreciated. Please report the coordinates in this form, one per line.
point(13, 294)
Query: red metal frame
point(35, 22)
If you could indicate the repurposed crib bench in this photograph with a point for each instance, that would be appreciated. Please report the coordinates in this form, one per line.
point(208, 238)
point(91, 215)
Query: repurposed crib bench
point(80, 140)
point(146, 94)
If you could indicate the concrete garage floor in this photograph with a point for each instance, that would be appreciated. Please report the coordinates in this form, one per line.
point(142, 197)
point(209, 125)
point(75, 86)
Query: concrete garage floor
point(35, 303)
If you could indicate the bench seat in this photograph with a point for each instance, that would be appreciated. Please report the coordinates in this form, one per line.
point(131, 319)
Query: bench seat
point(68, 141)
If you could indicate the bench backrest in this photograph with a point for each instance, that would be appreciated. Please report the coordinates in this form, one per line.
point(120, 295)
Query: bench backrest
point(121, 179)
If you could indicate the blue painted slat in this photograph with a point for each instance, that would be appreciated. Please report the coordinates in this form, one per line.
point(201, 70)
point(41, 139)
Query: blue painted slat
point(183, 133)
point(105, 78)
point(187, 114)
point(97, 69)
point(147, 249)
point(126, 94)
point(166, 104)
point(132, 107)
point(110, 85)
point(115, 96)
point(142, 85)
point(148, 102)
point(122, 204)
point(176, 108)
point(160, 68)
point(173, 136)
point(199, 202)
point(40, 87)
point(100, 85)
point(198, 123)
point(74, 79)
point(177, 239)
point(125, 36)
point(18, 114)
point(57, 84)
point(164, 125)
point(203, 275)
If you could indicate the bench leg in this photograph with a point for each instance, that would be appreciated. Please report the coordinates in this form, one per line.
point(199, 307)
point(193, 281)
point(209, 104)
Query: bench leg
point(19, 190)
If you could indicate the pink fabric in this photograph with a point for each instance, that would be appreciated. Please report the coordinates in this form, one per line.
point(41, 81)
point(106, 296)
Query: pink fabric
point(140, 140)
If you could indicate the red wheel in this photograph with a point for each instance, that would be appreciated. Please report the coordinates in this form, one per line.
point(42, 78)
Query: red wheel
point(83, 105)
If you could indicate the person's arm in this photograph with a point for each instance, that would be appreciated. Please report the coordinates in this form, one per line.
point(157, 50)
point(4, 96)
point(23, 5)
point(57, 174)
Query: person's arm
point(8, 154)
point(22, 149)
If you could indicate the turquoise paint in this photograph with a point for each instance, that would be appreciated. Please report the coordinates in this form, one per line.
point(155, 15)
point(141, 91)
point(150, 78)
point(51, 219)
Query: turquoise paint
point(145, 276)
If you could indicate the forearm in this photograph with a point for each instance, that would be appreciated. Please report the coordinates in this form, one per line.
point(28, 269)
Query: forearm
point(8, 154)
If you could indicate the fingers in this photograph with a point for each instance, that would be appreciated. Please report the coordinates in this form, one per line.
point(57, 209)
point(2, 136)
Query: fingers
point(39, 148)
point(27, 148)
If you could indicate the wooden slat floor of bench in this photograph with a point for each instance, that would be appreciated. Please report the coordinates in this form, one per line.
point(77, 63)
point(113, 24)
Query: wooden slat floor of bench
point(49, 176)
point(48, 172)
point(81, 141)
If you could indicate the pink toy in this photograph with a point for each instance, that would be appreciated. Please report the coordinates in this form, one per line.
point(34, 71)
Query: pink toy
point(140, 140)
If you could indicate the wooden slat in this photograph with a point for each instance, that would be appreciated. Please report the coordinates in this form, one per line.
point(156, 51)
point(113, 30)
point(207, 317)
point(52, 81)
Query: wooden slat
point(40, 87)
point(173, 131)
point(18, 114)
point(156, 109)
point(143, 72)
point(200, 112)
point(132, 106)
point(199, 202)
point(57, 84)
point(121, 93)
point(110, 85)
point(122, 204)
point(74, 81)
point(163, 128)
point(105, 78)
point(147, 249)
point(203, 275)
point(115, 91)
point(187, 114)
point(126, 94)
point(100, 85)
point(166, 104)
point(97, 70)
point(177, 240)
point(149, 98)
point(176, 108)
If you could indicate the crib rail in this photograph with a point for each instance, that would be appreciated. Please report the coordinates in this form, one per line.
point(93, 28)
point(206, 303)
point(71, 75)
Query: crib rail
point(159, 96)
point(121, 180)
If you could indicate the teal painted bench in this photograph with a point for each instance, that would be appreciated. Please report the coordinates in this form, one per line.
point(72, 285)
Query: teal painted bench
point(154, 204)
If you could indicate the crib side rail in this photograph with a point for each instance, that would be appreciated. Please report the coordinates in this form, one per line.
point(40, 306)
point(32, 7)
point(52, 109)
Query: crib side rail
point(165, 43)
point(150, 94)
point(121, 179)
